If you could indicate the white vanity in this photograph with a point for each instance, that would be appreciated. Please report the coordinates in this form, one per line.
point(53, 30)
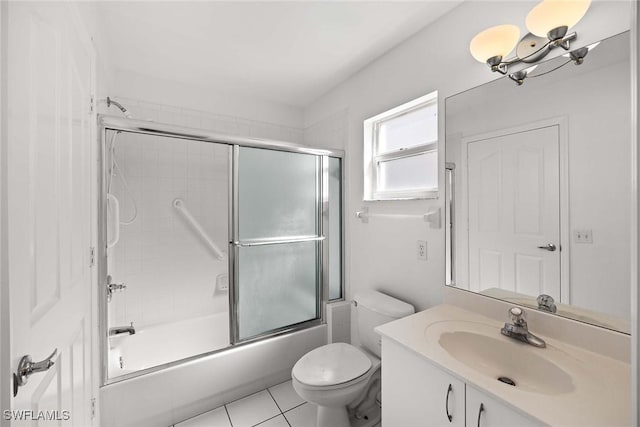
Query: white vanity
point(441, 368)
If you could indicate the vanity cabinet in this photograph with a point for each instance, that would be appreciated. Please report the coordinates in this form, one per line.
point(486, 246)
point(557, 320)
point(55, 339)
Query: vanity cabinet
point(418, 393)
point(494, 413)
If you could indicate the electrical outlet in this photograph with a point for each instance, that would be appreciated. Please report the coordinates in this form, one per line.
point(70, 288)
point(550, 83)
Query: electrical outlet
point(583, 236)
point(421, 250)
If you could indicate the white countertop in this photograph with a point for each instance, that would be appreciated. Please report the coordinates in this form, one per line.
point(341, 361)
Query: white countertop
point(601, 385)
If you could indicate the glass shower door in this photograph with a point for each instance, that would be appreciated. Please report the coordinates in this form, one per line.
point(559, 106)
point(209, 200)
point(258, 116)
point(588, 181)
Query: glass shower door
point(277, 241)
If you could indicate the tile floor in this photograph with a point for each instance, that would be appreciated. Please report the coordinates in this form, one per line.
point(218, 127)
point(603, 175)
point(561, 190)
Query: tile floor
point(277, 406)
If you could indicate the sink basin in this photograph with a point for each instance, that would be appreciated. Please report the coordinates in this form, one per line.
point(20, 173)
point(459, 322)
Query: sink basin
point(481, 348)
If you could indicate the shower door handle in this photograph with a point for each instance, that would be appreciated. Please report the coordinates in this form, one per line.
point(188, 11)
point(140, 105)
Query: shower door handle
point(264, 242)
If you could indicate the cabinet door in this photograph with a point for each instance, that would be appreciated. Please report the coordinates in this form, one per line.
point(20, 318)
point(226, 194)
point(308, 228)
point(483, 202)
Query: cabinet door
point(416, 393)
point(494, 412)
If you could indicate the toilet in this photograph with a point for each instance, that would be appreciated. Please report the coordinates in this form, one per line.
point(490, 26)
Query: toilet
point(336, 376)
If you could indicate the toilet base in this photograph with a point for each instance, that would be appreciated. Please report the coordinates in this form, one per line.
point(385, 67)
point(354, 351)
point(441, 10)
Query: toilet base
point(336, 416)
point(366, 414)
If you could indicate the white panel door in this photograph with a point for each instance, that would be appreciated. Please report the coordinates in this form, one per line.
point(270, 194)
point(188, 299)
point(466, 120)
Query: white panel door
point(514, 209)
point(50, 123)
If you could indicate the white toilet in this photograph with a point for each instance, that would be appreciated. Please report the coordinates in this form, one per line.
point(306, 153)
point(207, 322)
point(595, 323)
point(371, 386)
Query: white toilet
point(337, 375)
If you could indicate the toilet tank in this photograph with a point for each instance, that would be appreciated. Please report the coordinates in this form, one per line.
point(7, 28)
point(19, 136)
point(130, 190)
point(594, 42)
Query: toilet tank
point(373, 309)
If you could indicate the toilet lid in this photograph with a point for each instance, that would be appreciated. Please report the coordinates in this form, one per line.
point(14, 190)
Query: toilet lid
point(331, 364)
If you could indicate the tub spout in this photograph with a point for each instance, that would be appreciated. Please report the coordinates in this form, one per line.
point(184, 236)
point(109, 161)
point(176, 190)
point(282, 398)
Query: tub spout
point(118, 330)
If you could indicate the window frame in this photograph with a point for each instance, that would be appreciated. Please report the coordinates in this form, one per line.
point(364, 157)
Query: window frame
point(373, 158)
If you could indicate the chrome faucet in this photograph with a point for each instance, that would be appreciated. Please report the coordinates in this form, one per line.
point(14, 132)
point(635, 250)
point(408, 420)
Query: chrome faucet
point(519, 330)
point(118, 330)
point(546, 303)
point(113, 287)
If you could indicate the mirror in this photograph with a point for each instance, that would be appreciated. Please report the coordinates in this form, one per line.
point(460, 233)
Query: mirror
point(538, 182)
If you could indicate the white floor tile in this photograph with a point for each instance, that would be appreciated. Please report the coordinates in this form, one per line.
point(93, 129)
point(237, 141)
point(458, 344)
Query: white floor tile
point(278, 421)
point(216, 418)
point(252, 410)
point(302, 416)
point(285, 396)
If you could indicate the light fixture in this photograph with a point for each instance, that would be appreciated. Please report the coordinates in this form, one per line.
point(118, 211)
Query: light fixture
point(548, 23)
point(519, 76)
point(551, 16)
point(493, 44)
point(578, 55)
point(575, 56)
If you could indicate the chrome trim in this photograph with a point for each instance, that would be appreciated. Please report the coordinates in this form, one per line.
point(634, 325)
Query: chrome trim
point(272, 241)
point(160, 129)
point(450, 205)
point(343, 231)
point(101, 259)
point(231, 250)
point(322, 251)
point(235, 265)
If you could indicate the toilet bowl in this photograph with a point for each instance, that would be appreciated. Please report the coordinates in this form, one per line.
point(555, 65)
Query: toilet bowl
point(332, 376)
point(336, 375)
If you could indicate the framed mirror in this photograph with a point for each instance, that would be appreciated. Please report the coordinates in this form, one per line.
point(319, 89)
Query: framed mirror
point(538, 180)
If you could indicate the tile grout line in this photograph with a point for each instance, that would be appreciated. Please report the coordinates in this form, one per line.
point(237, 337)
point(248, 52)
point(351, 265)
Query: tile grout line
point(274, 400)
point(297, 406)
point(280, 409)
point(270, 418)
point(272, 397)
point(228, 416)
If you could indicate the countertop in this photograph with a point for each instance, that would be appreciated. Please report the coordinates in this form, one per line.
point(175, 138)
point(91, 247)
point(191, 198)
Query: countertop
point(601, 385)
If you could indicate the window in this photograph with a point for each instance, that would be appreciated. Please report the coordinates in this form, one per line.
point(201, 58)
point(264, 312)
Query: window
point(401, 151)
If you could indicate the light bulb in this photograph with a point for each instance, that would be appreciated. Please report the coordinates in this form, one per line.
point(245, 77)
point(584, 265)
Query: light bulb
point(551, 14)
point(494, 41)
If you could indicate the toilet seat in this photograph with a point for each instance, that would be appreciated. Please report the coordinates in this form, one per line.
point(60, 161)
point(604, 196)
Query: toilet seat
point(331, 365)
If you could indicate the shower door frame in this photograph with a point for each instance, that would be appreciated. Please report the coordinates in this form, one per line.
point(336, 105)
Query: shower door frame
point(111, 123)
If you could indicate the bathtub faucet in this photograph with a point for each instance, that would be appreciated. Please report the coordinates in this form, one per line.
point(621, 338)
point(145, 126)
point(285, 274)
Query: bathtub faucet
point(122, 330)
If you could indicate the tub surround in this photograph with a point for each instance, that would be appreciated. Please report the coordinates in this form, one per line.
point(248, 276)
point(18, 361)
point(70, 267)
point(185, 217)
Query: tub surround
point(183, 391)
point(596, 391)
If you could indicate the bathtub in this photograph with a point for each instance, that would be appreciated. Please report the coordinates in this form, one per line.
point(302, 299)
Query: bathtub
point(148, 347)
point(173, 394)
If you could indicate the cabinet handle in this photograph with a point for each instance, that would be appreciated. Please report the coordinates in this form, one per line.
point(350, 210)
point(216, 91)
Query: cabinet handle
point(446, 404)
point(480, 413)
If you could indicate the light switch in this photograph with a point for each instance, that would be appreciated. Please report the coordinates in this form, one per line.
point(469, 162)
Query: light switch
point(583, 236)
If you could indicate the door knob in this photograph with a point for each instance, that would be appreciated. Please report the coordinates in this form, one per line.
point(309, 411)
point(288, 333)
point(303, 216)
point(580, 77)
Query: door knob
point(27, 366)
point(549, 247)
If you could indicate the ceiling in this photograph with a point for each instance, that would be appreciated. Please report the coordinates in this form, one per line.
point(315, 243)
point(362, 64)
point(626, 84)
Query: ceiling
point(288, 52)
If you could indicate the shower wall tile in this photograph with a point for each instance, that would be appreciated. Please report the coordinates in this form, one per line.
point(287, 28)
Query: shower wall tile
point(229, 125)
point(170, 273)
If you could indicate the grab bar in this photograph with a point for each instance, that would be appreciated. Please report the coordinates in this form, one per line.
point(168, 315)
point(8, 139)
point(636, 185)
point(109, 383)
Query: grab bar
point(182, 208)
point(113, 207)
point(263, 242)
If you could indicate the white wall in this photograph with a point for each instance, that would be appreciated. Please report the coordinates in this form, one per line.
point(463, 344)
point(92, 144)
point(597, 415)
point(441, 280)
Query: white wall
point(381, 254)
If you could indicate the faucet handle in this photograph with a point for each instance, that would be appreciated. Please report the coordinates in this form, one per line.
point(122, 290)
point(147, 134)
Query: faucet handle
point(516, 314)
point(546, 303)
